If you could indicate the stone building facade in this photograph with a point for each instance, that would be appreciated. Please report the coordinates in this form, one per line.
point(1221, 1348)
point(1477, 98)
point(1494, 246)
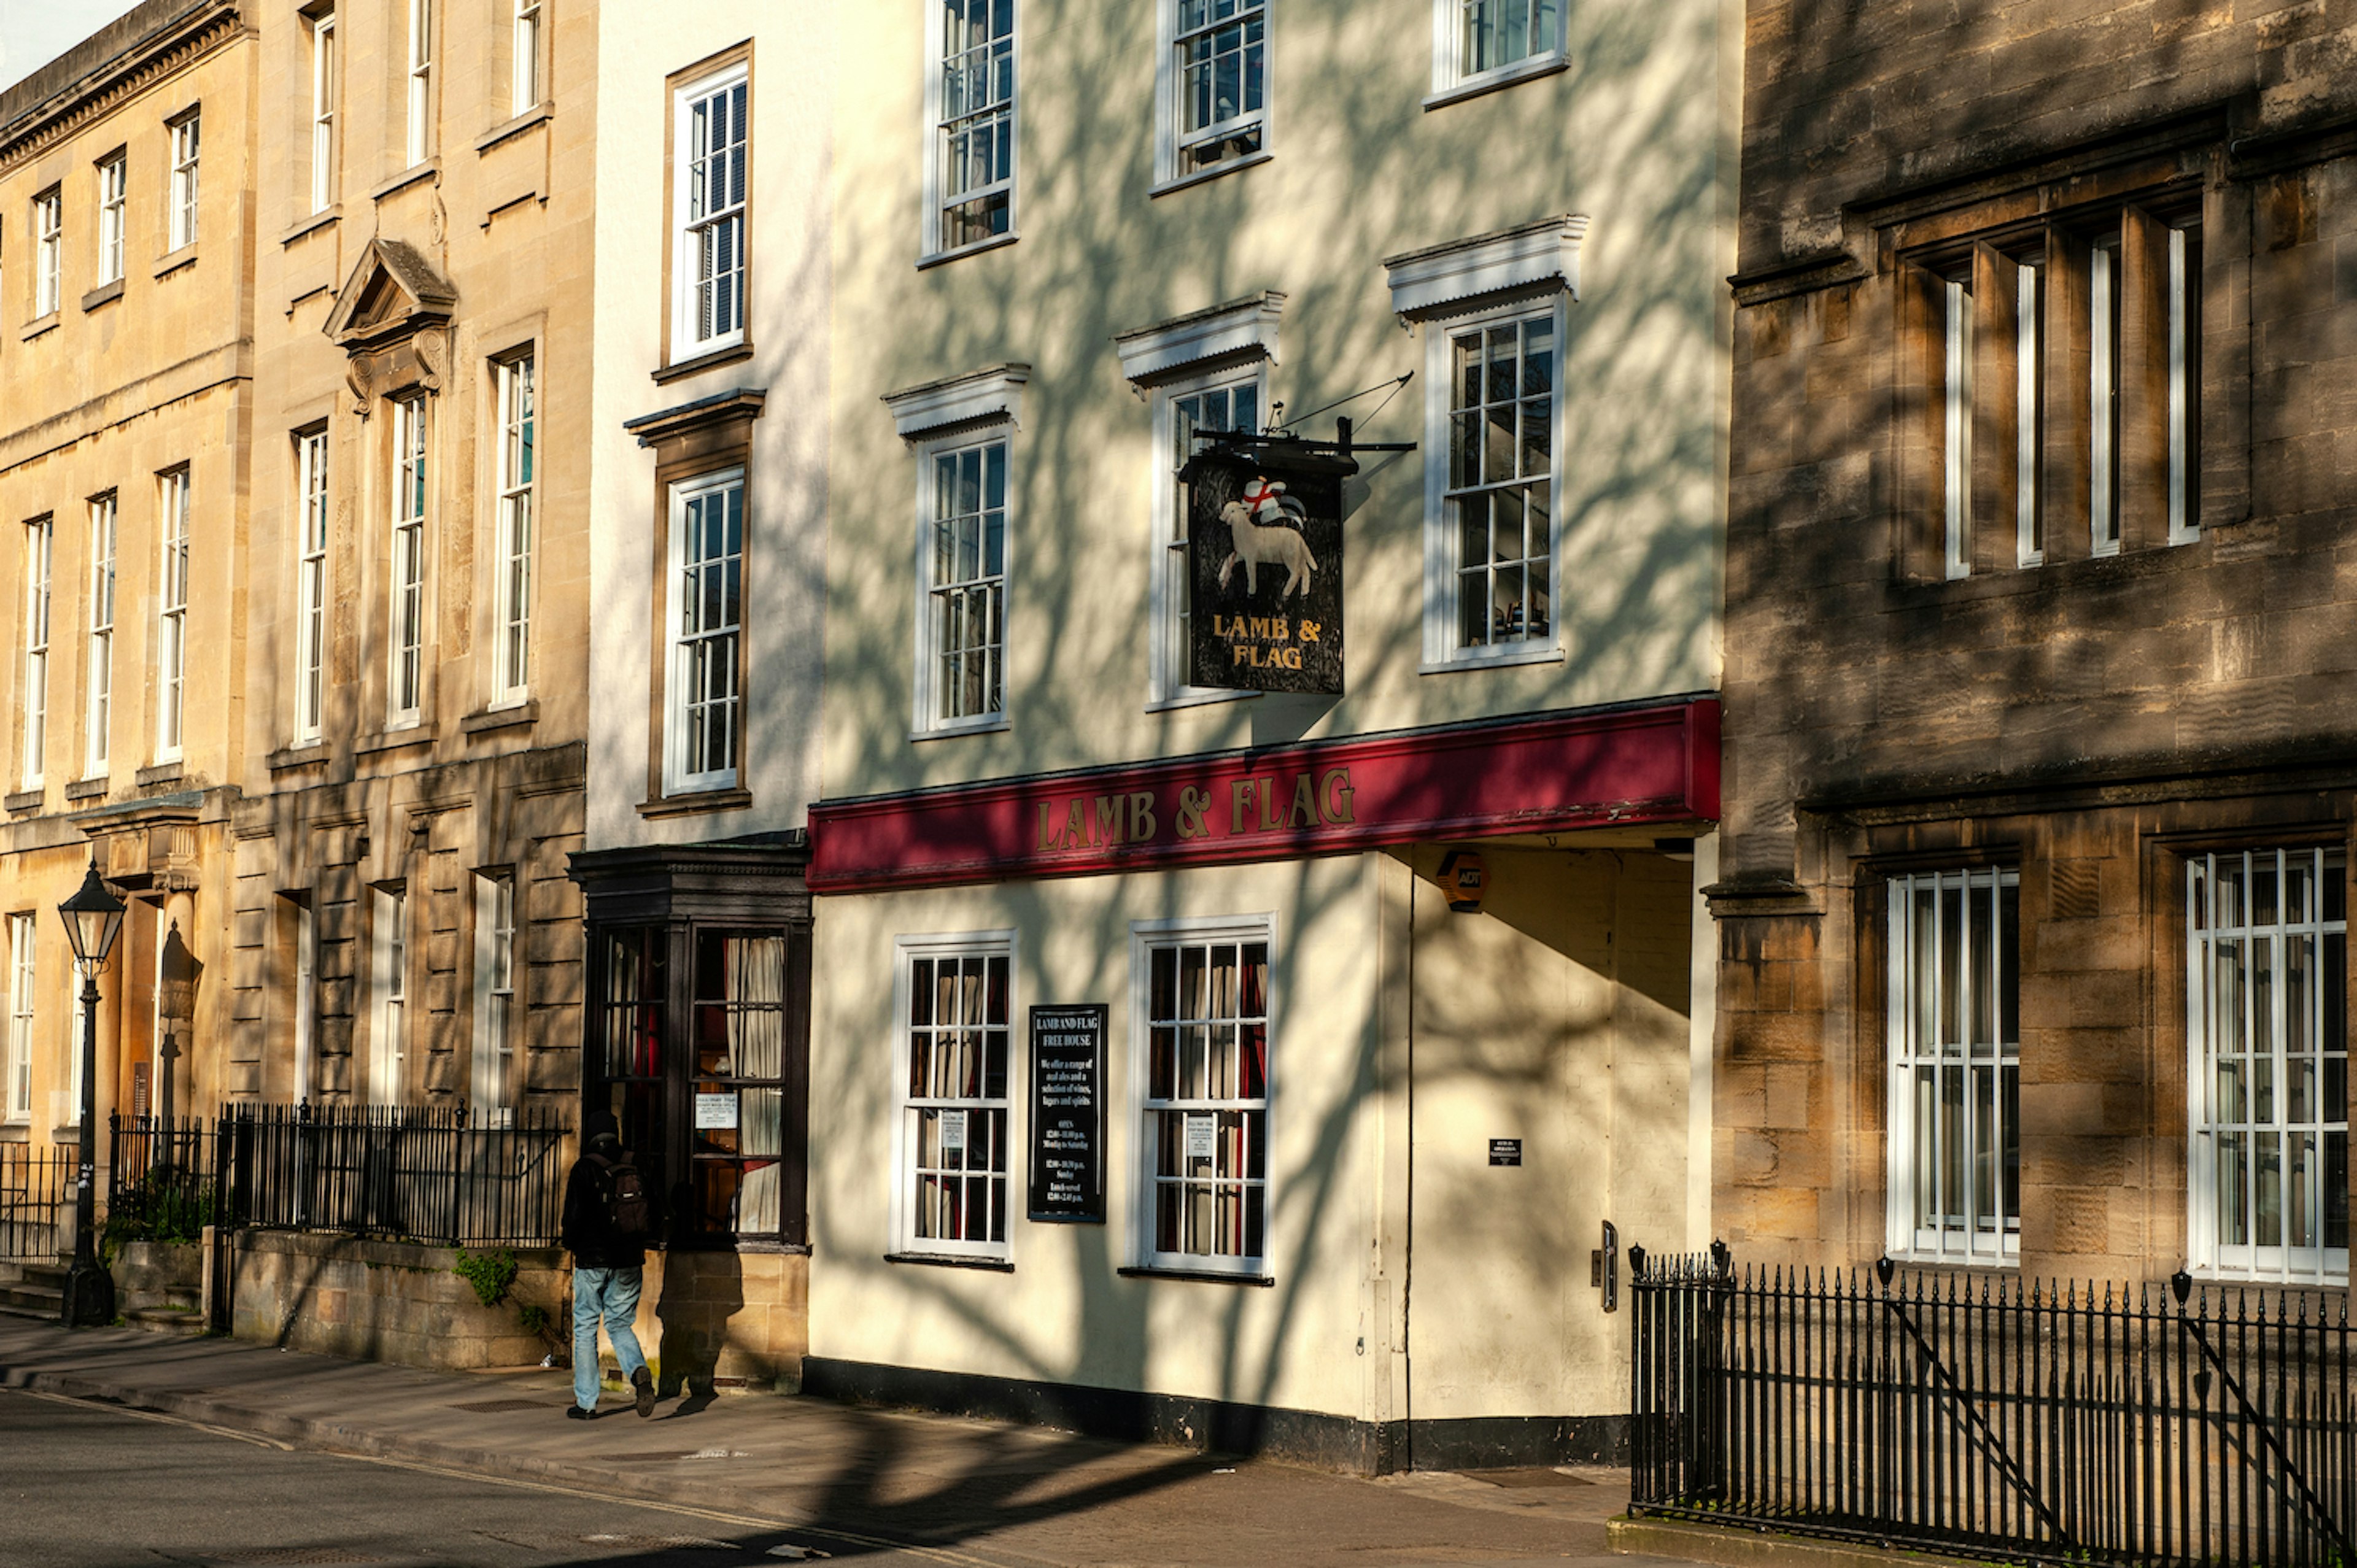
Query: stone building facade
point(126, 367)
point(2041, 763)
point(413, 717)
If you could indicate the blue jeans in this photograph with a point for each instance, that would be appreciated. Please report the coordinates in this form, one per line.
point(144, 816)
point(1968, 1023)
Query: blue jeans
point(613, 1295)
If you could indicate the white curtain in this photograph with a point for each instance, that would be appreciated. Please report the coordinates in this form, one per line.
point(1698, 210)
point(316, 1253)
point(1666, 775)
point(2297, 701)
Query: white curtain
point(756, 975)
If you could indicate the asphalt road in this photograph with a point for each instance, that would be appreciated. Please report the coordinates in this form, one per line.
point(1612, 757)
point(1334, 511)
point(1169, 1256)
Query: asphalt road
point(83, 1485)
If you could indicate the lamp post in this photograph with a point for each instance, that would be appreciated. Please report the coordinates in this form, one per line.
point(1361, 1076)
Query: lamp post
point(92, 917)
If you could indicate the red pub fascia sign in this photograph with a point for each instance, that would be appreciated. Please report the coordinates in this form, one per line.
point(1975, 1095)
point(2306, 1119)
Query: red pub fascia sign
point(1623, 767)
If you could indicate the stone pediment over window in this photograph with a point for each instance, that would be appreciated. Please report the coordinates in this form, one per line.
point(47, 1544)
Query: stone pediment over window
point(393, 317)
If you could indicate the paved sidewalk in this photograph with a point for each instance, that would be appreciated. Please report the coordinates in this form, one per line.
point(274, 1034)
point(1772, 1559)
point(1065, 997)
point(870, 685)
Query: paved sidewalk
point(851, 1480)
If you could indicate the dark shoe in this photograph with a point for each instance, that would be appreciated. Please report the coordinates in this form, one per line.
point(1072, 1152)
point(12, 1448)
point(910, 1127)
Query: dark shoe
point(574, 1412)
point(644, 1382)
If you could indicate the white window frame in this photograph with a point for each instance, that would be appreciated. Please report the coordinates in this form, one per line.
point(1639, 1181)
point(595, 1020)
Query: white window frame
point(48, 245)
point(680, 654)
point(516, 478)
point(2184, 392)
point(113, 194)
point(692, 232)
point(1441, 651)
point(406, 608)
point(498, 1019)
point(2030, 281)
point(1907, 1056)
point(2208, 1253)
point(389, 986)
point(186, 138)
point(420, 81)
point(24, 969)
point(909, 1110)
point(1957, 422)
point(40, 555)
point(1145, 938)
point(311, 519)
point(1454, 76)
point(1171, 570)
point(324, 86)
point(307, 993)
point(98, 670)
point(1171, 139)
point(2104, 395)
point(934, 241)
point(172, 613)
point(524, 93)
point(927, 682)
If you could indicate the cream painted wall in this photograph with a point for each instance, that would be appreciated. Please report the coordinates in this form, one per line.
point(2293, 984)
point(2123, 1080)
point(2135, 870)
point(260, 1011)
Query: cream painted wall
point(1064, 1316)
point(1558, 1015)
point(789, 270)
point(1635, 135)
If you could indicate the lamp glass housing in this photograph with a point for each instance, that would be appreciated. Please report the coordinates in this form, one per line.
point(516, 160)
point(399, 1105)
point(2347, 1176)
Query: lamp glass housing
point(94, 916)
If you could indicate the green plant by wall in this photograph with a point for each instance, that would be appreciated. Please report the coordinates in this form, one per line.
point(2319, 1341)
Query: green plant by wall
point(163, 1206)
point(489, 1272)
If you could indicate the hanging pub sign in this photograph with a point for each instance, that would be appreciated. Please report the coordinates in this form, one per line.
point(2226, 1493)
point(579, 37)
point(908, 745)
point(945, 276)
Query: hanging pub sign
point(1068, 1055)
point(1264, 558)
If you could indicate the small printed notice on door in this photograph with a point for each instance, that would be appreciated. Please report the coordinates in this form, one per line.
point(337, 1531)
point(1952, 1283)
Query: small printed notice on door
point(1199, 1137)
point(1505, 1150)
point(953, 1126)
point(716, 1111)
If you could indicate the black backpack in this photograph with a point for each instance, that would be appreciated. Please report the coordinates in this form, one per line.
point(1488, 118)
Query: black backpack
point(623, 1194)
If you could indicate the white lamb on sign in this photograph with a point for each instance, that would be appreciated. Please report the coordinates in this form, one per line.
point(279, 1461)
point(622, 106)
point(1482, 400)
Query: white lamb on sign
point(1274, 545)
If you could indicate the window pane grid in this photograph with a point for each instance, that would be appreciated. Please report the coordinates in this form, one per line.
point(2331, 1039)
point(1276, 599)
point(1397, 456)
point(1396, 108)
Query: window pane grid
point(1501, 32)
point(1206, 1107)
point(515, 564)
point(172, 612)
point(969, 581)
point(408, 558)
point(1222, 63)
point(956, 1101)
point(48, 220)
point(19, 1081)
point(184, 135)
point(1955, 1058)
point(39, 540)
point(2268, 1013)
point(421, 79)
point(1501, 482)
point(736, 1170)
point(1232, 407)
point(323, 112)
point(99, 674)
point(976, 130)
point(715, 210)
point(526, 60)
point(710, 624)
point(311, 583)
point(111, 177)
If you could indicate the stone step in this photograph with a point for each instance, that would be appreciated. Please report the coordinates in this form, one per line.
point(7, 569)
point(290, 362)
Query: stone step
point(47, 1276)
point(163, 1320)
point(32, 1301)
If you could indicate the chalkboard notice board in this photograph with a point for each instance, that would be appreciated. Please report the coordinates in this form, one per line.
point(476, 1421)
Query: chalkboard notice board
point(1068, 1055)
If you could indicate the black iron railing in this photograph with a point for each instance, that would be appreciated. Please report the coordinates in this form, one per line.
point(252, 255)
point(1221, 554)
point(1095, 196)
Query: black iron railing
point(2163, 1425)
point(159, 1179)
point(409, 1173)
point(37, 1198)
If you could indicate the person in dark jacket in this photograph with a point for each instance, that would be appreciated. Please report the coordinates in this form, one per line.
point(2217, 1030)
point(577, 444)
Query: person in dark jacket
point(606, 1270)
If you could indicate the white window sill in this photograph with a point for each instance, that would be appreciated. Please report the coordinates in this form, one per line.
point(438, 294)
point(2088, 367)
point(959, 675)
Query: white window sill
point(963, 726)
point(936, 258)
point(1181, 182)
point(1539, 653)
point(2209, 1273)
point(1918, 1259)
point(1521, 70)
point(1200, 699)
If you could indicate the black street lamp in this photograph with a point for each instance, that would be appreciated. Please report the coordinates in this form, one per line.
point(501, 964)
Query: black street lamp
point(92, 917)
